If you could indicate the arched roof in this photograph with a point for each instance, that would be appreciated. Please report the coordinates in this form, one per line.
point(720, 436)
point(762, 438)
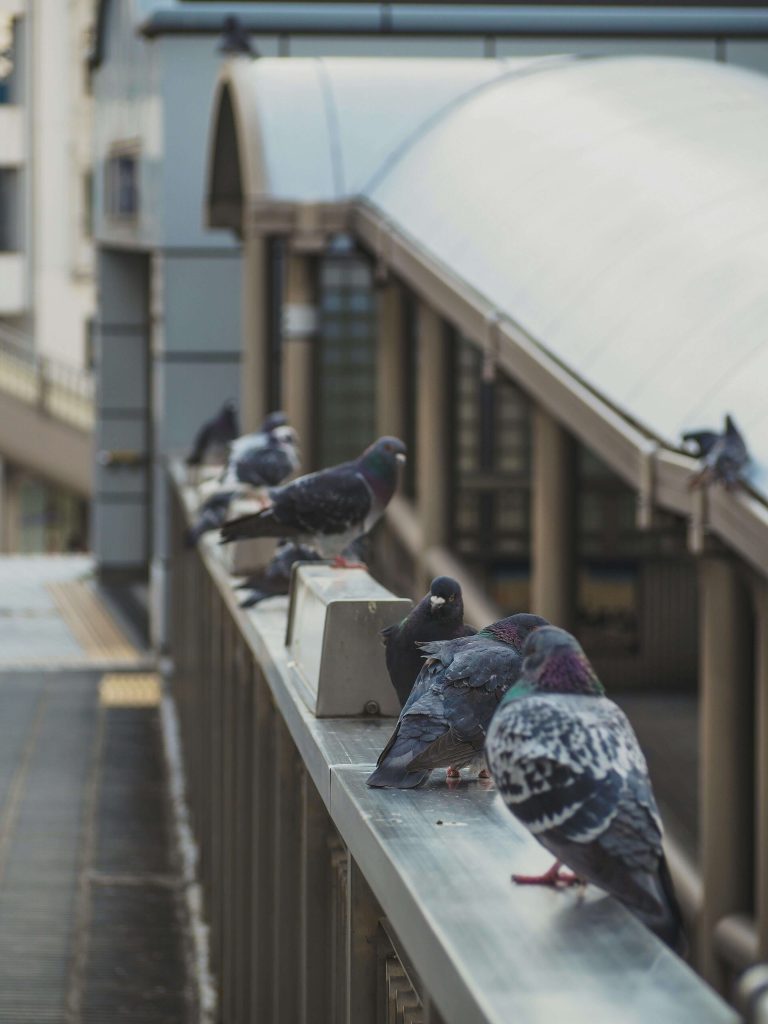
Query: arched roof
point(616, 209)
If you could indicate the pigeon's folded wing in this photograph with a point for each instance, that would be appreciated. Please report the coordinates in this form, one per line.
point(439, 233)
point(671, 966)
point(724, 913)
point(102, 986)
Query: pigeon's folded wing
point(324, 503)
point(264, 467)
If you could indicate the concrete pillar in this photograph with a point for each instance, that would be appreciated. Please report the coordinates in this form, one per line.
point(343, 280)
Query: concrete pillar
point(122, 474)
point(761, 766)
point(725, 762)
point(255, 347)
point(390, 360)
point(299, 340)
point(553, 521)
point(432, 428)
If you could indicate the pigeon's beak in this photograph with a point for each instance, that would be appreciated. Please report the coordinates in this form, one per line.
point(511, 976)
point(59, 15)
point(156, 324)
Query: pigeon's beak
point(436, 601)
point(400, 456)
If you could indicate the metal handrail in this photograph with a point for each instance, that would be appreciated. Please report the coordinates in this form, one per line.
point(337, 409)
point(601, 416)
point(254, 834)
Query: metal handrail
point(58, 389)
point(328, 901)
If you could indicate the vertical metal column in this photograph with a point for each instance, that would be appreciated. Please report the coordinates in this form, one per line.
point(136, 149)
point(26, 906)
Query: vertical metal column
point(253, 380)
point(390, 360)
point(553, 521)
point(287, 839)
point(299, 339)
point(432, 431)
point(362, 916)
point(761, 765)
point(316, 910)
point(263, 814)
point(725, 764)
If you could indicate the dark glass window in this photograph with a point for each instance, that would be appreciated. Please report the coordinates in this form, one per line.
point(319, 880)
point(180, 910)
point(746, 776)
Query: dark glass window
point(9, 210)
point(346, 355)
point(490, 467)
point(121, 185)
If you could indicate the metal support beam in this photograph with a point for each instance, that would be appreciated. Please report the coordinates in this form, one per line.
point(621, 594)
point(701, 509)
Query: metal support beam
point(299, 339)
point(287, 891)
point(725, 761)
point(553, 521)
point(390, 360)
point(362, 927)
point(431, 429)
point(253, 379)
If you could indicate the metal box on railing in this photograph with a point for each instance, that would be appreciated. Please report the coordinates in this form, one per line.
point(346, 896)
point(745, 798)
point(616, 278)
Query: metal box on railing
point(335, 652)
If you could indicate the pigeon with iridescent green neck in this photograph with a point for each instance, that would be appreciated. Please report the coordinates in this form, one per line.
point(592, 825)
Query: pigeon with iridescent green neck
point(567, 764)
point(444, 721)
point(438, 616)
point(330, 509)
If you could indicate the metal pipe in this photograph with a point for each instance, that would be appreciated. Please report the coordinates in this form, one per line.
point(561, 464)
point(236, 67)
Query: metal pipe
point(464, 19)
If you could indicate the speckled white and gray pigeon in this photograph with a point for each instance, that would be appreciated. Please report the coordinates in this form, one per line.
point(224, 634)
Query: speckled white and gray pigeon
point(724, 457)
point(445, 720)
point(214, 436)
point(330, 509)
point(438, 616)
point(567, 764)
point(256, 462)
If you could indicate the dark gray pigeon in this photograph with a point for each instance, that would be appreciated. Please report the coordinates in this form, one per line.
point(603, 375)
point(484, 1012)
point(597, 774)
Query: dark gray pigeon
point(275, 578)
point(266, 460)
point(568, 765)
point(438, 616)
point(444, 721)
point(215, 435)
point(724, 457)
point(330, 509)
point(235, 38)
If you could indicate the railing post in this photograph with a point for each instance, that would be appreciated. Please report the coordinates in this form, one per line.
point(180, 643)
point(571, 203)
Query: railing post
point(263, 815)
point(553, 521)
point(761, 766)
point(254, 367)
point(287, 839)
point(431, 431)
point(43, 382)
point(390, 360)
point(725, 762)
point(316, 895)
point(362, 916)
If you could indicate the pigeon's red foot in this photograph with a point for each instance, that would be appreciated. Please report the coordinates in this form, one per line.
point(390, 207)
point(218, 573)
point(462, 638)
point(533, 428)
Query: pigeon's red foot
point(453, 773)
point(340, 562)
point(483, 774)
point(553, 878)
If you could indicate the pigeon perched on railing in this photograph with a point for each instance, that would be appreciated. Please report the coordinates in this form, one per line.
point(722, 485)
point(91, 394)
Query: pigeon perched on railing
point(265, 461)
point(215, 435)
point(438, 616)
point(568, 765)
point(444, 721)
point(235, 38)
point(724, 457)
point(330, 509)
point(275, 578)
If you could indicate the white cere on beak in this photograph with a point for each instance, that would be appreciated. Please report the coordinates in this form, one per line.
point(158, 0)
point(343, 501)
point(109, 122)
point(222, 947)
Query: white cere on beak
point(436, 601)
point(400, 456)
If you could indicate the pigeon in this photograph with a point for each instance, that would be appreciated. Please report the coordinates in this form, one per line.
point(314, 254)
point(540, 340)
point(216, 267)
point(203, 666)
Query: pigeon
point(235, 38)
point(215, 435)
point(275, 578)
point(444, 721)
point(330, 509)
point(438, 616)
point(568, 765)
point(724, 457)
point(267, 460)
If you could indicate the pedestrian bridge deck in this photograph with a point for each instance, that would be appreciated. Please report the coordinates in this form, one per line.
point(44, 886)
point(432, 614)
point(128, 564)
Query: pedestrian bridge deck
point(90, 893)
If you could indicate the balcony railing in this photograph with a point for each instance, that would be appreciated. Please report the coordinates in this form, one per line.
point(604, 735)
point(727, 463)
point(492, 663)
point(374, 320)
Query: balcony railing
point(59, 391)
point(331, 902)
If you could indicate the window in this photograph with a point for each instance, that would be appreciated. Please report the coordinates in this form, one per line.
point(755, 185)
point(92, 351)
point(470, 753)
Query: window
point(9, 210)
point(121, 185)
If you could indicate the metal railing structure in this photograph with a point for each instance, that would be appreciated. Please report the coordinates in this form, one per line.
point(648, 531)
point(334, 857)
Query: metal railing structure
point(330, 902)
point(57, 390)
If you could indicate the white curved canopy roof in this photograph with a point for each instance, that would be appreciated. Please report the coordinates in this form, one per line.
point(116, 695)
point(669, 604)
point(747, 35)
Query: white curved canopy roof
point(616, 209)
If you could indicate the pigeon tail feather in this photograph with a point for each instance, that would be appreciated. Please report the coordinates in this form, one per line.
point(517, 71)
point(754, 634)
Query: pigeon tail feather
point(389, 776)
point(258, 524)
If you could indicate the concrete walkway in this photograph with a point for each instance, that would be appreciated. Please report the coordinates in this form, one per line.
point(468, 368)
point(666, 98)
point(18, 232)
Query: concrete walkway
point(91, 904)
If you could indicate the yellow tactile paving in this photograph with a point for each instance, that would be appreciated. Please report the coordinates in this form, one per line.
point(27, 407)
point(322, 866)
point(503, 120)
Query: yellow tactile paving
point(130, 690)
point(91, 623)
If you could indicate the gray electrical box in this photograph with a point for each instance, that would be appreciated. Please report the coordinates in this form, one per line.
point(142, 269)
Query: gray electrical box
point(334, 648)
